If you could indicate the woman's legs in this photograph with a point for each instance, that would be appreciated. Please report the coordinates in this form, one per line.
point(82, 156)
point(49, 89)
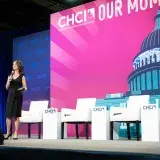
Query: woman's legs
point(16, 126)
point(8, 123)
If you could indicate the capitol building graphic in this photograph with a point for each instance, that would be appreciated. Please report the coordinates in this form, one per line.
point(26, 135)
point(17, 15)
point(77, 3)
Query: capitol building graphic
point(145, 77)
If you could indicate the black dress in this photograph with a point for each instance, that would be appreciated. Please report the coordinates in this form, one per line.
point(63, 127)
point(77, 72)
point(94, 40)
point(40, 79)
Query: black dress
point(14, 99)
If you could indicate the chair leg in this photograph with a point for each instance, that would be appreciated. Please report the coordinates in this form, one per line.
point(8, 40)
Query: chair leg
point(137, 130)
point(29, 130)
point(128, 130)
point(39, 130)
point(87, 126)
point(62, 130)
point(111, 130)
point(77, 135)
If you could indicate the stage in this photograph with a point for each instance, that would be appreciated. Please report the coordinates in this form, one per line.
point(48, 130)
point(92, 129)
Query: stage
point(88, 145)
point(79, 149)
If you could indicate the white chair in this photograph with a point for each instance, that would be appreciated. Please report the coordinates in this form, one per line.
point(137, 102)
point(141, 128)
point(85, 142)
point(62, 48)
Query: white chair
point(80, 115)
point(34, 115)
point(128, 115)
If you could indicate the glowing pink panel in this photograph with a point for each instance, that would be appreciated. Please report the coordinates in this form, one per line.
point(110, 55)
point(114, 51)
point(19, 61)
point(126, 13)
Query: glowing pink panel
point(101, 52)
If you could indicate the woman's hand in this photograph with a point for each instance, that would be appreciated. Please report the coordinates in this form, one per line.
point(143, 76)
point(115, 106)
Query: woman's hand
point(10, 78)
point(24, 83)
point(8, 82)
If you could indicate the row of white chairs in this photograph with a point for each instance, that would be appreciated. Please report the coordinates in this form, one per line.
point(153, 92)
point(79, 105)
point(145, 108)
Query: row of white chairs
point(83, 114)
point(128, 114)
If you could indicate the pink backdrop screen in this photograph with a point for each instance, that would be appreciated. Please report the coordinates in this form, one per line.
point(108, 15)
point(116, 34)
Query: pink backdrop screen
point(93, 47)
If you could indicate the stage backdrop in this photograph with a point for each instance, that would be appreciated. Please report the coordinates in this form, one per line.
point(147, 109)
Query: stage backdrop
point(33, 50)
point(96, 47)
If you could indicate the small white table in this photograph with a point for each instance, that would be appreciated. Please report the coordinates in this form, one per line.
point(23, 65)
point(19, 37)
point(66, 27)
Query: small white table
point(150, 122)
point(100, 123)
point(51, 124)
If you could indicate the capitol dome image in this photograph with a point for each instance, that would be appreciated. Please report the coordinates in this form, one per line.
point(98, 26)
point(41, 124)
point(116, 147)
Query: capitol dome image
point(145, 79)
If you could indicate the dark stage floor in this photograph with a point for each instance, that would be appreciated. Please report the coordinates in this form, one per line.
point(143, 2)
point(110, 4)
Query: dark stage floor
point(79, 148)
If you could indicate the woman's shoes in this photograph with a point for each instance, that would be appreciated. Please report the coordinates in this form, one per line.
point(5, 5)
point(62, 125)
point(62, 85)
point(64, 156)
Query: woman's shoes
point(15, 137)
point(8, 136)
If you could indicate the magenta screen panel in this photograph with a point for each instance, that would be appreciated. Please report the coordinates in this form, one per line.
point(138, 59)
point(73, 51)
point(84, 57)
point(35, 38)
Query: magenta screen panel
point(93, 47)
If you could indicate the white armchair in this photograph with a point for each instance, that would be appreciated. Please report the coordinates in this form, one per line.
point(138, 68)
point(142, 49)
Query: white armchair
point(34, 115)
point(128, 115)
point(80, 115)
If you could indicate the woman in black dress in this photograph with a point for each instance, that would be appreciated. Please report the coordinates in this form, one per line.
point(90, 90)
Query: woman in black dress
point(16, 83)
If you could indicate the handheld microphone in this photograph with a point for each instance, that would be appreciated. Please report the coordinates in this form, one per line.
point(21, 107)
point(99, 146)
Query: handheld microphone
point(11, 76)
point(12, 72)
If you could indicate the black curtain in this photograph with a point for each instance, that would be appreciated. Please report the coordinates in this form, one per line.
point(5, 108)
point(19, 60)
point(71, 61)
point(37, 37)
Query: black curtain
point(6, 41)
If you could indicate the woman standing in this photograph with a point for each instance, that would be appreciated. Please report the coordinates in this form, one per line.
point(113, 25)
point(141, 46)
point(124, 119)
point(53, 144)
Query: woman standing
point(16, 83)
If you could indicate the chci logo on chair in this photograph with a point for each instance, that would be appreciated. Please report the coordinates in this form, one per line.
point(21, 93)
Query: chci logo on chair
point(50, 111)
point(152, 106)
point(98, 109)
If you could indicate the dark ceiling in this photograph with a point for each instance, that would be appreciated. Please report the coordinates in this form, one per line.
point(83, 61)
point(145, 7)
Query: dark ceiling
point(20, 14)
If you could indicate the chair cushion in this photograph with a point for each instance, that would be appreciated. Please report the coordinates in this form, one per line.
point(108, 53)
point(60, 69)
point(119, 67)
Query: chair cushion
point(124, 114)
point(31, 119)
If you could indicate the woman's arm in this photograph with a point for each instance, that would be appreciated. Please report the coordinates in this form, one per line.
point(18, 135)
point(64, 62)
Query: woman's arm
point(24, 83)
point(8, 82)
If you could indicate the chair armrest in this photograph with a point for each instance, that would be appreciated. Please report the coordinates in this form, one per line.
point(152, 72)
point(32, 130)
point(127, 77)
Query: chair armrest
point(115, 111)
point(25, 113)
point(118, 110)
point(130, 114)
point(84, 114)
point(84, 111)
point(67, 110)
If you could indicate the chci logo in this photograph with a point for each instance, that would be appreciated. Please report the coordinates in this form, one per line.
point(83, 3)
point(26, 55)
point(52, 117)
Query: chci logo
point(50, 111)
point(151, 106)
point(98, 109)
